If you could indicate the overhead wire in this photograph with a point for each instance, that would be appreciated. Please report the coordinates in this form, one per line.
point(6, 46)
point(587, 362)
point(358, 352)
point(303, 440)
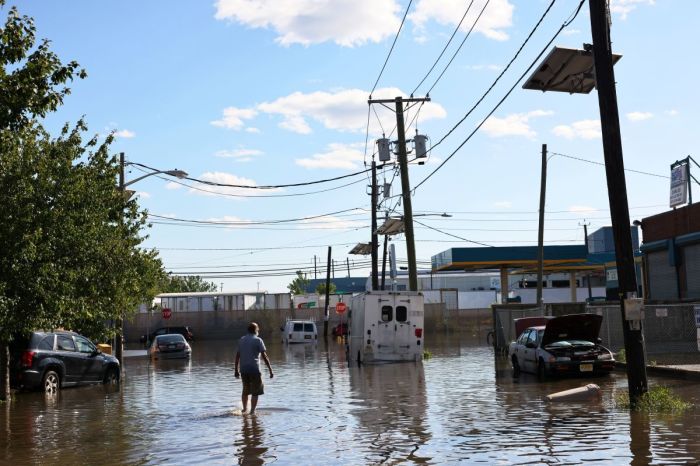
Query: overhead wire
point(454, 236)
point(403, 20)
point(458, 49)
point(503, 99)
point(580, 159)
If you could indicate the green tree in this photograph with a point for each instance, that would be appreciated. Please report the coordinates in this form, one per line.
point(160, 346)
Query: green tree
point(70, 253)
point(187, 284)
point(299, 284)
point(321, 288)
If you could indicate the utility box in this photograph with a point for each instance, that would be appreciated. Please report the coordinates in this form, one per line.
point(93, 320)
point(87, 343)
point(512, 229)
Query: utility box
point(105, 348)
point(383, 149)
point(386, 326)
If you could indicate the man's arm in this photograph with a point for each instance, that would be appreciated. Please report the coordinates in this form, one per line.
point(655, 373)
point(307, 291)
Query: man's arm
point(267, 363)
point(235, 365)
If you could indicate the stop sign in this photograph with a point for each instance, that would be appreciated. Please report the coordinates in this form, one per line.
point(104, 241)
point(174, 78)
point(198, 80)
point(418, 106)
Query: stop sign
point(340, 308)
point(167, 313)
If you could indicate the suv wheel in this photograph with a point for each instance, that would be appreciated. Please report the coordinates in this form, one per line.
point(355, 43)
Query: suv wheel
point(52, 382)
point(111, 376)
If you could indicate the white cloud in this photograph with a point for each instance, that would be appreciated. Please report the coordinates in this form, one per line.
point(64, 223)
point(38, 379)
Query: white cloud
point(673, 112)
point(124, 133)
point(342, 110)
point(581, 209)
point(333, 223)
point(639, 116)
point(342, 156)
point(237, 221)
point(252, 130)
point(346, 22)
point(571, 32)
point(241, 155)
point(234, 118)
point(624, 7)
point(503, 204)
point(497, 16)
point(515, 124)
point(584, 129)
point(229, 179)
point(172, 185)
point(143, 195)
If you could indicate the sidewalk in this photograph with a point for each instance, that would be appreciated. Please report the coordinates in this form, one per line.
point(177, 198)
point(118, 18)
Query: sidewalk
point(676, 371)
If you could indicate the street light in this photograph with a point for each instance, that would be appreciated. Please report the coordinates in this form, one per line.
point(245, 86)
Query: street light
point(579, 71)
point(119, 343)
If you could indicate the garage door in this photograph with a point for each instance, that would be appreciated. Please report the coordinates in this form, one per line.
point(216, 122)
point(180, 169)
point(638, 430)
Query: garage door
point(662, 276)
point(691, 258)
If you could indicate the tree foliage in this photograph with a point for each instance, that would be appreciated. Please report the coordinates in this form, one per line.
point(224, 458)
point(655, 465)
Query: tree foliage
point(299, 284)
point(187, 284)
point(70, 255)
point(321, 288)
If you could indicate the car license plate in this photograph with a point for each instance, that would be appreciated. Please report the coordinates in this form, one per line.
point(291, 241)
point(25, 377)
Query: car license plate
point(171, 346)
point(586, 367)
point(307, 337)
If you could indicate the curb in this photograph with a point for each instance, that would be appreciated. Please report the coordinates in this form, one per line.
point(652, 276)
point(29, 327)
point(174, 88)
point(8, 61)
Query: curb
point(664, 371)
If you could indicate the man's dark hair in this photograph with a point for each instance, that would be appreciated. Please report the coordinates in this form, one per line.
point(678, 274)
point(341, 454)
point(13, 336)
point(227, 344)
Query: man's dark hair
point(252, 327)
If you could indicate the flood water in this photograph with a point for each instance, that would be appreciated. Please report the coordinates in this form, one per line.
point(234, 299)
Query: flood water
point(462, 406)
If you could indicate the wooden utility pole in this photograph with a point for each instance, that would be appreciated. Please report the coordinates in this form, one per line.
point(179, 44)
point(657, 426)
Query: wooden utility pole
point(617, 195)
point(347, 261)
point(588, 274)
point(375, 245)
point(314, 266)
point(405, 185)
point(386, 244)
point(328, 292)
point(540, 231)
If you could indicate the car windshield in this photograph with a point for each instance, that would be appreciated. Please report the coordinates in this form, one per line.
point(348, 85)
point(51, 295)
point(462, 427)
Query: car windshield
point(165, 339)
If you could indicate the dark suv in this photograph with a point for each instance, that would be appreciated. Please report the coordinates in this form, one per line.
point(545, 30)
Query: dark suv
point(52, 360)
point(184, 331)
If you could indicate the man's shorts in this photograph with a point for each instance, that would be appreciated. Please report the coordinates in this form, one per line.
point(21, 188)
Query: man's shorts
point(252, 384)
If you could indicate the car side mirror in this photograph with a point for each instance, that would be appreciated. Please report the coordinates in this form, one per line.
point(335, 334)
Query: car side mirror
point(599, 340)
point(96, 351)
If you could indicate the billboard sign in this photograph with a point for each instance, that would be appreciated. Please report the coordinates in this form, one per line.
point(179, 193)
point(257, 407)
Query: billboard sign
point(679, 185)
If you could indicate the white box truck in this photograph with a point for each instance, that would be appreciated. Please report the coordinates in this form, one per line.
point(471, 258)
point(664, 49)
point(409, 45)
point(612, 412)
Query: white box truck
point(386, 326)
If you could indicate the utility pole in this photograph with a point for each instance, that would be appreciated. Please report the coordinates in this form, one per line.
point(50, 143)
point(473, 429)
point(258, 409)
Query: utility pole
point(118, 339)
point(347, 260)
point(617, 195)
point(540, 231)
point(405, 185)
point(314, 266)
point(328, 292)
point(375, 245)
point(588, 274)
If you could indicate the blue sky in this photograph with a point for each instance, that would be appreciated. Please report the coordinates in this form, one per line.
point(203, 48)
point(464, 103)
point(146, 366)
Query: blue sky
point(274, 92)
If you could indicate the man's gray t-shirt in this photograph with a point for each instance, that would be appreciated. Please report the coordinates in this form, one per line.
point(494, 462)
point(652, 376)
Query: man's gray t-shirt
point(250, 346)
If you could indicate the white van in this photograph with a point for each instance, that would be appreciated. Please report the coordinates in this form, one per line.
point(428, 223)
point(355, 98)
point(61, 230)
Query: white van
point(300, 331)
point(386, 326)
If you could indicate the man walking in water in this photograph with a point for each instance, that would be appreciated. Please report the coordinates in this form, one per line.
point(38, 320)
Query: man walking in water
point(250, 348)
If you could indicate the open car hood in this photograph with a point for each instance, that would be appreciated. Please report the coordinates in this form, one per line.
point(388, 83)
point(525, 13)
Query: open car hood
point(527, 322)
point(572, 327)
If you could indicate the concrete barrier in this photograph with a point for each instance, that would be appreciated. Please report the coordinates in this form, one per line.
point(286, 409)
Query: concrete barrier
point(587, 392)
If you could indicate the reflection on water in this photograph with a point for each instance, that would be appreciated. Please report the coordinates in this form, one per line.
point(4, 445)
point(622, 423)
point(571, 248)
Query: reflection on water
point(462, 406)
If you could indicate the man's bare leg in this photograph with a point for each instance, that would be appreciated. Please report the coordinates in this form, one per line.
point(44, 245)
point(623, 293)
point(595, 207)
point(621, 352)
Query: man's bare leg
point(244, 400)
point(253, 403)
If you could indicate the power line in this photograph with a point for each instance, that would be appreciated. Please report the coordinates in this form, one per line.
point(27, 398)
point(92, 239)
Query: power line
point(454, 236)
point(503, 99)
point(444, 48)
point(277, 186)
point(247, 222)
point(392, 47)
point(458, 48)
point(498, 78)
point(602, 164)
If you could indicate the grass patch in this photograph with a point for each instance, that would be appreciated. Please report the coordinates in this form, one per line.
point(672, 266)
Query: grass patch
point(658, 399)
point(621, 356)
point(427, 354)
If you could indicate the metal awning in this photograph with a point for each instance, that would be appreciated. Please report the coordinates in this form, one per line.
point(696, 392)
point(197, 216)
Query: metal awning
point(362, 249)
point(391, 226)
point(566, 70)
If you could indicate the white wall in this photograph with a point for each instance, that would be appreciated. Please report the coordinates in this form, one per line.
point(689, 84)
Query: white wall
point(555, 295)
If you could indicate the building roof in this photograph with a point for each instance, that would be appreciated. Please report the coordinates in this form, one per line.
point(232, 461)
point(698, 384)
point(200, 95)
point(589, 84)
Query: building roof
point(508, 256)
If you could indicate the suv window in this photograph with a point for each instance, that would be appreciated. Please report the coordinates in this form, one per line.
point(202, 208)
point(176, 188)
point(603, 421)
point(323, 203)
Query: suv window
point(298, 327)
point(84, 345)
point(309, 327)
point(46, 343)
point(65, 343)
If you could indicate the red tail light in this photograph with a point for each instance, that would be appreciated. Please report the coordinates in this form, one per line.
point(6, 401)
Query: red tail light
point(419, 332)
point(27, 358)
